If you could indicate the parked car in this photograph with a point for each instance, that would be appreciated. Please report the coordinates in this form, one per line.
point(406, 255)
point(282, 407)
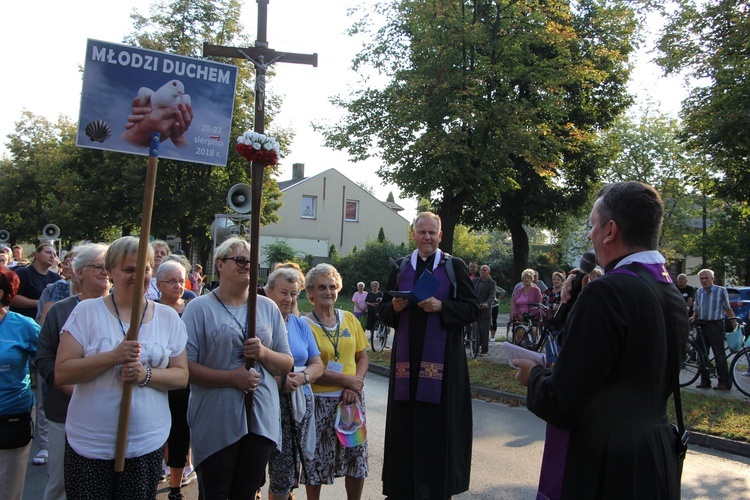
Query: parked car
point(739, 300)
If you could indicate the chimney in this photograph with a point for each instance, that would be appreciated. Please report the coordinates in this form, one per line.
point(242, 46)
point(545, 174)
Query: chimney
point(298, 171)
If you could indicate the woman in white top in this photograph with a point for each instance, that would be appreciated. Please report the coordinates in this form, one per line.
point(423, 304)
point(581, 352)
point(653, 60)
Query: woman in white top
point(95, 356)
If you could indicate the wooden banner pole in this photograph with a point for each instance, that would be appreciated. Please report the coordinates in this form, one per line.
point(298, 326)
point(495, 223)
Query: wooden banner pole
point(138, 292)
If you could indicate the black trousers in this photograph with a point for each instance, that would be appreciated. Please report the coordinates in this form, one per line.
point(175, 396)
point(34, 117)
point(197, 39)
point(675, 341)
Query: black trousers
point(236, 472)
point(711, 335)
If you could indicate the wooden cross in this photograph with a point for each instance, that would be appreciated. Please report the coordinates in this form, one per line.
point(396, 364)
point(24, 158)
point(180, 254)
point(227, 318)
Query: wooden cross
point(261, 57)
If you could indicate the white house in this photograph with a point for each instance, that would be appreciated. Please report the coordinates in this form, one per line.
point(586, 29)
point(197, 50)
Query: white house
point(330, 209)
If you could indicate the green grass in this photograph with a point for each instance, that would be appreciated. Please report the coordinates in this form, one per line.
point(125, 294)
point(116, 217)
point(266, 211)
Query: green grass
point(717, 416)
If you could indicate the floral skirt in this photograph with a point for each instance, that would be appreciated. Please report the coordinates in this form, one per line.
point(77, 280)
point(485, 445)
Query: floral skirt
point(332, 459)
point(284, 467)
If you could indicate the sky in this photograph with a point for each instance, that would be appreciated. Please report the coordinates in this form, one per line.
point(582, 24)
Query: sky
point(45, 46)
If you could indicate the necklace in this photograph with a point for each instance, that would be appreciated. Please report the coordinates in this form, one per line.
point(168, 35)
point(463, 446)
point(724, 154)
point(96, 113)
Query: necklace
point(117, 312)
point(243, 329)
point(333, 339)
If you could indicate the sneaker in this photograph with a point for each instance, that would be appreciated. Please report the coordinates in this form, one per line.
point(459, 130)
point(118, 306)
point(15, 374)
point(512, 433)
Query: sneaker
point(188, 478)
point(492, 339)
point(176, 496)
point(165, 473)
point(41, 457)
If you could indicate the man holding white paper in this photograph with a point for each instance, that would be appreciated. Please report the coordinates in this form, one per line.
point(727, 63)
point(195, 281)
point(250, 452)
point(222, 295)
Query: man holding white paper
point(605, 400)
point(428, 433)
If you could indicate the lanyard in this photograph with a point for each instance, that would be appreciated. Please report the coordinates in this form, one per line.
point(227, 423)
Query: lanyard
point(333, 340)
point(243, 329)
point(122, 327)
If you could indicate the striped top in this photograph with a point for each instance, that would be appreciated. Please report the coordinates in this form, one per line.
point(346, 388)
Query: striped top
point(710, 304)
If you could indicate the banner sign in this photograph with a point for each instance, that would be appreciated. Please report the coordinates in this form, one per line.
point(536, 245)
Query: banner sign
point(129, 92)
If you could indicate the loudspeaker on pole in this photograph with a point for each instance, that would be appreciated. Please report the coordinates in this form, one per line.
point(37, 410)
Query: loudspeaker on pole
point(4, 236)
point(51, 232)
point(239, 197)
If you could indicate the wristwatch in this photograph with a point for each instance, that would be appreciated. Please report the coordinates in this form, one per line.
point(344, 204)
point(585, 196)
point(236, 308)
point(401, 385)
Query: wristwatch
point(307, 377)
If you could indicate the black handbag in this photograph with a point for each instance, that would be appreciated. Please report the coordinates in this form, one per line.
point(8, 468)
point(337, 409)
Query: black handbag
point(15, 430)
point(729, 325)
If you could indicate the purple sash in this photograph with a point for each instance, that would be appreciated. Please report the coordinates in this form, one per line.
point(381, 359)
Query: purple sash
point(553, 463)
point(431, 366)
point(658, 271)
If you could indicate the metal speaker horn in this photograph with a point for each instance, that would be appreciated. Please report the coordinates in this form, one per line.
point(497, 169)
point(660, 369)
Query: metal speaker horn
point(51, 232)
point(239, 197)
point(222, 228)
point(4, 236)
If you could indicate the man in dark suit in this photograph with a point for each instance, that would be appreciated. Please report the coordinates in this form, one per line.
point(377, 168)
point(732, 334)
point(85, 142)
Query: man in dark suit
point(605, 400)
point(484, 287)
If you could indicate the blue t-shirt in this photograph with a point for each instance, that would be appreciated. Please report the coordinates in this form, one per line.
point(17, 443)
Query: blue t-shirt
point(301, 342)
point(18, 338)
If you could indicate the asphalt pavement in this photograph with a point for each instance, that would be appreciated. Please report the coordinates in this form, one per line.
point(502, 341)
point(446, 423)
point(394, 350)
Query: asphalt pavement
point(506, 457)
point(501, 429)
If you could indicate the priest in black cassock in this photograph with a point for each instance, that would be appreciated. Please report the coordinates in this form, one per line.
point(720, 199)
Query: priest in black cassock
point(428, 431)
point(605, 400)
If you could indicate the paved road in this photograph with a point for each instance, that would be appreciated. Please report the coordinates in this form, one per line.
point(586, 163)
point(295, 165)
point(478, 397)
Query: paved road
point(508, 444)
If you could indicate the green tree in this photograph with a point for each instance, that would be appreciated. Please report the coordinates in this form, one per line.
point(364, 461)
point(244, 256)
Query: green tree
point(470, 245)
point(707, 41)
point(281, 251)
point(188, 195)
point(368, 264)
point(381, 235)
point(492, 108)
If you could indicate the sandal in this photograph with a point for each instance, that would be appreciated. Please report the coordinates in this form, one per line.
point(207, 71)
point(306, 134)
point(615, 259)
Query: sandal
point(41, 457)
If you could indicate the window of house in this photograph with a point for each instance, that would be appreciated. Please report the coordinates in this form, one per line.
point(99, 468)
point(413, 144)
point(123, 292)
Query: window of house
point(309, 207)
point(351, 213)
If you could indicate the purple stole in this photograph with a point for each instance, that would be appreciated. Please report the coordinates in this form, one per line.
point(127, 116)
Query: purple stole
point(557, 440)
point(431, 366)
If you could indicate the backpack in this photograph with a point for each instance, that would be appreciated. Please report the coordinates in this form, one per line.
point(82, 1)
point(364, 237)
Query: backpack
point(449, 270)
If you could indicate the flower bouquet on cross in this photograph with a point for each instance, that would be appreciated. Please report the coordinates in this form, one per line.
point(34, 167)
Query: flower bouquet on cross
point(258, 147)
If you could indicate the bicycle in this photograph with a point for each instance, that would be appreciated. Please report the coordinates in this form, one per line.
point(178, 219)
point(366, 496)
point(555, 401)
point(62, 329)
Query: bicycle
point(524, 333)
point(379, 335)
point(471, 336)
point(697, 356)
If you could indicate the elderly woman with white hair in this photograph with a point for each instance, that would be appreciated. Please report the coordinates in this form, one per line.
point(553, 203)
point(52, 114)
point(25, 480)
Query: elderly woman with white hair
point(95, 357)
point(91, 281)
point(230, 454)
point(359, 297)
point(170, 280)
point(297, 403)
point(342, 345)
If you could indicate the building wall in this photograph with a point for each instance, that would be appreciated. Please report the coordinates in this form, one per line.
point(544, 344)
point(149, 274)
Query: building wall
point(345, 215)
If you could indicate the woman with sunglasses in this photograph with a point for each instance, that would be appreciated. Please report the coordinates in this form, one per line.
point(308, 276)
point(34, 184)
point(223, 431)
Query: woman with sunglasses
point(231, 458)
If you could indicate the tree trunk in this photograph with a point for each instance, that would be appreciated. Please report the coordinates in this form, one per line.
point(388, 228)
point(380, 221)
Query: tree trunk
point(520, 246)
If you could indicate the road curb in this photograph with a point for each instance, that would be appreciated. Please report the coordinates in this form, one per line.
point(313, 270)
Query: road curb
point(696, 438)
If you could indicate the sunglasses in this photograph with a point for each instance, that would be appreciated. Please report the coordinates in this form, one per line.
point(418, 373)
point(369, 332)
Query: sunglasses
point(240, 261)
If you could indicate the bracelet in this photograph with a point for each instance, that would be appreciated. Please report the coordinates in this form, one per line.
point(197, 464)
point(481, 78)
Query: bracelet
point(148, 376)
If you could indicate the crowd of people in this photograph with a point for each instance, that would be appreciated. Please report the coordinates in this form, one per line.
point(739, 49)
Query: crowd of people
point(234, 404)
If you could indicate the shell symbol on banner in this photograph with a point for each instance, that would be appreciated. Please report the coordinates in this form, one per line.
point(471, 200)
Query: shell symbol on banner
point(98, 131)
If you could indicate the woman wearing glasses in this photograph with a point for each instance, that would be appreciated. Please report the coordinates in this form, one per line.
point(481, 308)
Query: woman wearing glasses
point(230, 457)
point(170, 281)
point(342, 344)
point(95, 356)
point(91, 280)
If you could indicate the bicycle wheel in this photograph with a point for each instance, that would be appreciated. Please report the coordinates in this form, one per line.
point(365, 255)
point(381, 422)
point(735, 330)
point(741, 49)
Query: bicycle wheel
point(474, 340)
point(690, 365)
point(740, 371)
point(519, 335)
point(379, 336)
